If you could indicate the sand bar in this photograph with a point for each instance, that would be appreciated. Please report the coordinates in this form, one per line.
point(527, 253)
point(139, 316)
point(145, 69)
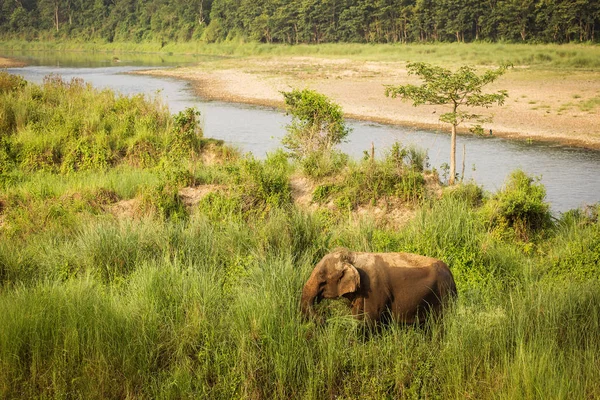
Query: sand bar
point(555, 106)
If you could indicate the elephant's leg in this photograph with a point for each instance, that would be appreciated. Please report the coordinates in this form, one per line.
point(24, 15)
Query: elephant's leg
point(369, 311)
point(358, 307)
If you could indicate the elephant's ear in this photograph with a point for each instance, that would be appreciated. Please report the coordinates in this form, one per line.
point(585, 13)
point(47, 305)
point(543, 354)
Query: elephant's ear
point(349, 281)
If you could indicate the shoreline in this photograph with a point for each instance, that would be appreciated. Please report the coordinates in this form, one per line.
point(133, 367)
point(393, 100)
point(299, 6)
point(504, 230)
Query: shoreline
point(542, 106)
point(416, 125)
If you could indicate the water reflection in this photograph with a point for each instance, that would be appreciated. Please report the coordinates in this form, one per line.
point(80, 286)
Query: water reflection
point(570, 175)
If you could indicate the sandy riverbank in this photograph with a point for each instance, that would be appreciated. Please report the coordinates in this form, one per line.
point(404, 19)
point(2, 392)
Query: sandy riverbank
point(10, 63)
point(555, 106)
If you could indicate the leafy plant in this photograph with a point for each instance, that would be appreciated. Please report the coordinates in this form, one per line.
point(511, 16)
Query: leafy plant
point(184, 141)
point(317, 123)
point(518, 210)
point(10, 82)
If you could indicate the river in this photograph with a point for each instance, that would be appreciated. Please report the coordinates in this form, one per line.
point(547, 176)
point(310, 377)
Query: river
point(570, 175)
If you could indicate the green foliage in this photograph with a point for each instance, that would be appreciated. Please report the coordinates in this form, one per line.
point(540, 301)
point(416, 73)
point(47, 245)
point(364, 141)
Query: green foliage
point(317, 123)
point(460, 89)
point(164, 200)
point(518, 211)
point(185, 137)
point(264, 185)
point(69, 126)
point(392, 21)
point(574, 252)
point(442, 86)
point(319, 165)
point(469, 192)
point(219, 206)
point(11, 83)
point(399, 175)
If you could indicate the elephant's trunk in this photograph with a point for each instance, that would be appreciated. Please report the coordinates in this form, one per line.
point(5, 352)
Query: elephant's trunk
point(309, 295)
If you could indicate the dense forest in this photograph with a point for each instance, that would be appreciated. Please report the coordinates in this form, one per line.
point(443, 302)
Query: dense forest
point(303, 21)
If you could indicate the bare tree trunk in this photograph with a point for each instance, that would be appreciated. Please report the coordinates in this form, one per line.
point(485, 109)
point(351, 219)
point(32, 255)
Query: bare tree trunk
point(462, 174)
point(372, 151)
point(56, 15)
point(201, 12)
point(452, 155)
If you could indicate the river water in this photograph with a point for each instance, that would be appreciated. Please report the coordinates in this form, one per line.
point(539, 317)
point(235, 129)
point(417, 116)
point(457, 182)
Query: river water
point(570, 175)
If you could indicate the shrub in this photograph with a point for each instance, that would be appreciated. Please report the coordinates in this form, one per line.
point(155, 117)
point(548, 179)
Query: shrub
point(164, 200)
point(87, 154)
point(319, 165)
point(518, 211)
point(219, 206)
point(11, 83)
point(317, 123)
point(263, 185)
point(407, 157)
point(372, 180)
point(185, 136)
point(469, 192)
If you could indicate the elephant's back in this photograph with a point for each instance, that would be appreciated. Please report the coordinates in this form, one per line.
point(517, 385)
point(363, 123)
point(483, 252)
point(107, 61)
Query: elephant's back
point(397, 260)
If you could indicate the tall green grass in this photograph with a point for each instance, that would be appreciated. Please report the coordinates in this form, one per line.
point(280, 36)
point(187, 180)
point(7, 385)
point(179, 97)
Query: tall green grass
point(210, 309)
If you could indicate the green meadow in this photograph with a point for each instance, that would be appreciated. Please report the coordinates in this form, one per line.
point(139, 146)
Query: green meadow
point(114, 285)
point(584, 57)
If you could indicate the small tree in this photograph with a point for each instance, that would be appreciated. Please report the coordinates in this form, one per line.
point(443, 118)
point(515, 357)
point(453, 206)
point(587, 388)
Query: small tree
point(317, 123)
point(460, 89)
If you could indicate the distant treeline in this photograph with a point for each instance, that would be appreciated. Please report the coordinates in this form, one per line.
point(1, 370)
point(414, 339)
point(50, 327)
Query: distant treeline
point(303, 21)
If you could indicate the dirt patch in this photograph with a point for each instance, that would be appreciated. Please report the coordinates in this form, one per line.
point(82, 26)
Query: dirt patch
point(390, 213)
point(302, 191)
point(191, 196)
point(127, 209)
point(555, 106)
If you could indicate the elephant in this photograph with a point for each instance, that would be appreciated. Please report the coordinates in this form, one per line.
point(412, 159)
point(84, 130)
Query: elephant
point(403, 287)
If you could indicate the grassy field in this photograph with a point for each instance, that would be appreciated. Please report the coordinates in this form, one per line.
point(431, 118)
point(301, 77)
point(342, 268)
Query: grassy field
point(177, 300)
point(542, 56)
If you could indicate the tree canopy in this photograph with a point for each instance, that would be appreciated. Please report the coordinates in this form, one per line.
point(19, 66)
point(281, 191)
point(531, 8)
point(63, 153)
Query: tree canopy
point(459, 90)
point(304, 21)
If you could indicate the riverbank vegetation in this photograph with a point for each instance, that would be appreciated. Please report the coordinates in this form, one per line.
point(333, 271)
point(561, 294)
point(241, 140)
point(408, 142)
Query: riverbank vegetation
point(306, 21)
point(139, 259)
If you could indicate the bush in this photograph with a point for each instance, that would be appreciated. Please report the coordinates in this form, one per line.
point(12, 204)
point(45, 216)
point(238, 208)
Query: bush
point(317, 123)
point(164, 200)
point(372, 180)
point(264, 185)
point(319, 165)
point(185, 137)
point(469, 192)
point(518, 211)
point(11, 83)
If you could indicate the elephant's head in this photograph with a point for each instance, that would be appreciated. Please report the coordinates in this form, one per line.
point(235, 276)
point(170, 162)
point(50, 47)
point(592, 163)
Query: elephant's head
point(334, 276)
